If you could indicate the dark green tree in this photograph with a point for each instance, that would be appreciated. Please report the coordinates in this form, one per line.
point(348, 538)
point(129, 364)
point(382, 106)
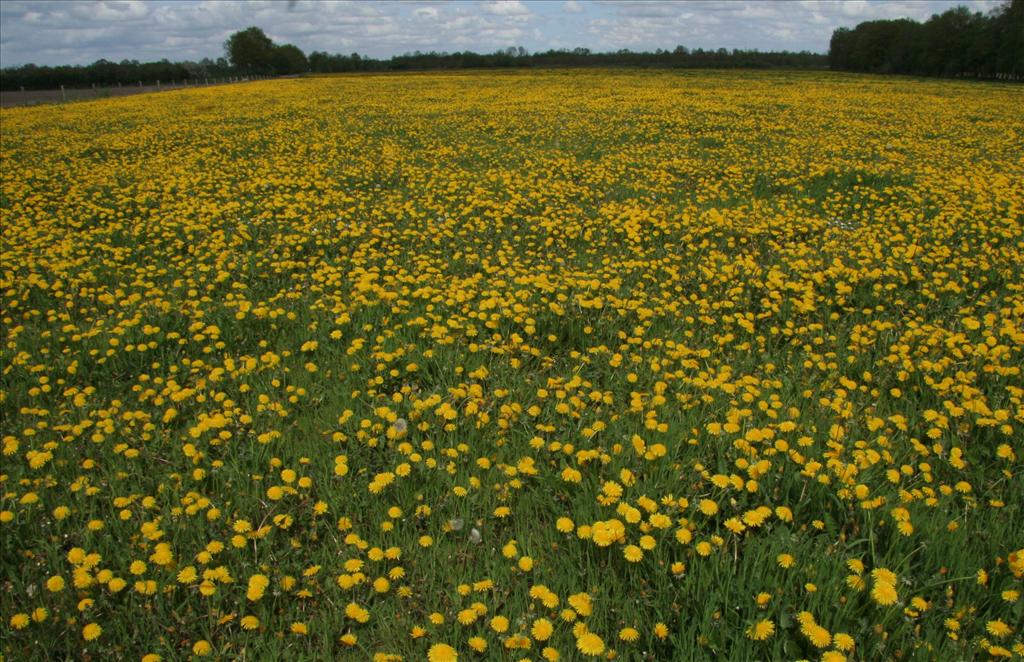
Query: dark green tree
point(1008, 34)
point(289, 59)
point(956, 42)
point(251, 51)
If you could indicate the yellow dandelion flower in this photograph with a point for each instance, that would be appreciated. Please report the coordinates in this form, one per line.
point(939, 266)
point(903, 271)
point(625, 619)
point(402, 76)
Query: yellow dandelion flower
point(542, 629)
point(442, 653)
point(257, 586)
point(590, 644)
point(708, 507)
point(884, 594)
point(817, 635)
point(499, 624)
point(843, 641)
point(998, 628)
point(761, 630)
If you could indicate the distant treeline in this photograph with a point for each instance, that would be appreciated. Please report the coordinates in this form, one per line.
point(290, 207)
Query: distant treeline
point(249, 52)
point(956, 42)
point(320, 62)
point(105, 73)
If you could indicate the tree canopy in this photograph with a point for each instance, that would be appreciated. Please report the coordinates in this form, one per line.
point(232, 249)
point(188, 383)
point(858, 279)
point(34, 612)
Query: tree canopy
point(518, 57)
point(252, 51)
point(106, 73)
point(956, 42)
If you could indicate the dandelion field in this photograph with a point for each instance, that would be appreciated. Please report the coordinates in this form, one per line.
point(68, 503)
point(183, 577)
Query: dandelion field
point(551, 365)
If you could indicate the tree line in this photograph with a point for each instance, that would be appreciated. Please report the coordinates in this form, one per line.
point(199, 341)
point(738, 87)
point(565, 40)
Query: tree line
point(247, 52)
point(104, 73)
point(955, 43)
point(251, 52)
point(517, 57)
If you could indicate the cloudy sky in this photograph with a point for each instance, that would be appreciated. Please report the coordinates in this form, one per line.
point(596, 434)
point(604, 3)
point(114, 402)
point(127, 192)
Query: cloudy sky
point(80, 32)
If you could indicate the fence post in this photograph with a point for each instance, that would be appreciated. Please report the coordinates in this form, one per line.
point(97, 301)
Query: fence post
point(158, 83)
point(63, 94)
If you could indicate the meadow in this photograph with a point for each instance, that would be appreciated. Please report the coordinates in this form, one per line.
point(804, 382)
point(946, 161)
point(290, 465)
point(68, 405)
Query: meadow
point(560, 365)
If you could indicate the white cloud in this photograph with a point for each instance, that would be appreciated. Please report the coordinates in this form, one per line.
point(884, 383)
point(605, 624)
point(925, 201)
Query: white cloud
point(855, 8)
point(747, 24)
point(505, 7)
point(82, 31)
point(48, 32)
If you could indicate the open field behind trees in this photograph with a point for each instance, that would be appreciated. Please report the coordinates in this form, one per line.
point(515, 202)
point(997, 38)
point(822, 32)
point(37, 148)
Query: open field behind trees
point(547, 365)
